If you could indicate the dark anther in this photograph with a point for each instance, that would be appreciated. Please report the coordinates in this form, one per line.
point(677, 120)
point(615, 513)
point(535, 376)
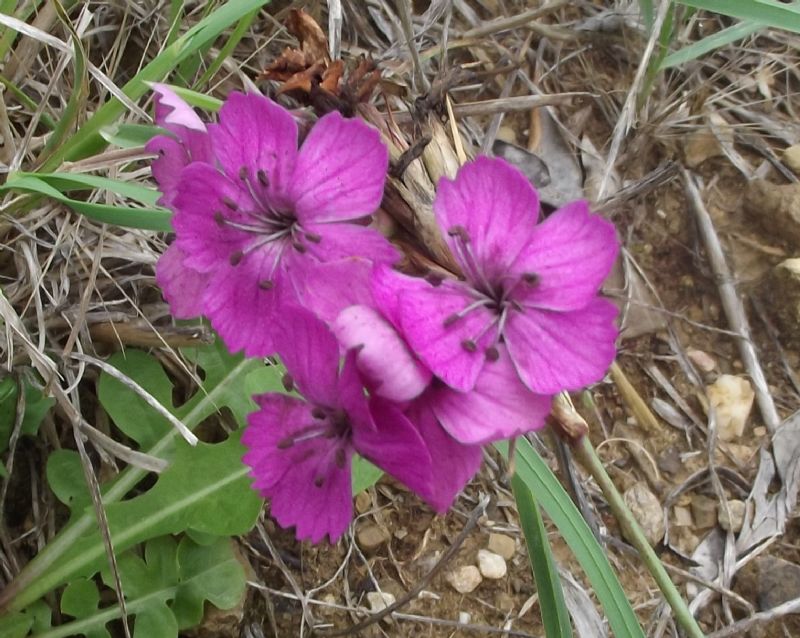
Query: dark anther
point(492, 353)
point(530, 278)
point(460, 232)
point(162, 152)
point(219, 218)
point(262, 178)
point(318, 413)
point(266, 284)
point(285, 443)
point(288, 382)
point(243, 173)
point(313, 238)
point(299, 247)
point(469, 345)
point(236, 258)
point(319, 481)
point(434, 278)
point(229, 203)
point(339, 458)
point(449, 321)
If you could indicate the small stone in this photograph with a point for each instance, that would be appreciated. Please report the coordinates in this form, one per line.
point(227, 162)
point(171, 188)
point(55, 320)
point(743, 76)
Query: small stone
point(783, 288)
point(464, 579)
point(505, 602)
point(464, 617)
point(732, 398)
point(704, 511)
point(363, 502)
point(379, 600)
point(776, 208)
point(370, 537)
point(791, 157)
point(736, 508)
point(647, 510)
point(683, 516)
point(491, 565)
point(702, 360)
point(503, 545)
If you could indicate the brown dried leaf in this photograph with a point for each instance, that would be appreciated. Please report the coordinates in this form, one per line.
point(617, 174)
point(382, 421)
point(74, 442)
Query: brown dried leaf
point(312, 38)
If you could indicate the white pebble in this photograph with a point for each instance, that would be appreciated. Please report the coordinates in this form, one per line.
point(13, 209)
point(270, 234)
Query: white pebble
point(491, 565)
point(464, 579)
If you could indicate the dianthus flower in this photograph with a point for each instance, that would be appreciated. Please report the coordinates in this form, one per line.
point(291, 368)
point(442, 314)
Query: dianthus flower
point(259, 211)
point(529, 289)
point(300, 450)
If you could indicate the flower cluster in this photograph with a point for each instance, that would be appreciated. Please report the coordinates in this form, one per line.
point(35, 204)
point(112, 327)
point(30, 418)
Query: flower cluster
point(414, 373)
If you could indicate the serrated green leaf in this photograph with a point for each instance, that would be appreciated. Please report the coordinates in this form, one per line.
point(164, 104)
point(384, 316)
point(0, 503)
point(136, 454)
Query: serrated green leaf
point(36, 618)
point(80, 600)
point(222, 387)
point(365, 474)
point(576, 533)
point(36, 407)
point(171, 583)
point(66, 480)
point(129, 411)
point(156, 621)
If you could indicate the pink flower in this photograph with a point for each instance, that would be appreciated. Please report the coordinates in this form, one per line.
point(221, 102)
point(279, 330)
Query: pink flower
point(262, 211)
point(300, 450)
point(529, 289)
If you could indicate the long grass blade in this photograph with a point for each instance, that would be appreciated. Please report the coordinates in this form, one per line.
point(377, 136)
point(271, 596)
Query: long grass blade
point(769, 12)
point(555, 616)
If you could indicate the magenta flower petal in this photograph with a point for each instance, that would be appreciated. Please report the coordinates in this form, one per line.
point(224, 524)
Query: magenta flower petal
point(395, 446)
point(554, 351)
point(499, 406)
point(200, 206)
point(345, 240)
point(182, 286)
point(340, 171)
point(172, 112)
point(496, 206)
point(328, 288)
point(306, 478)
point(311, 355)
point(382, 356)
point(166, 168)
point(570, 254)
point(242, 312)
point(258, 138)
point(453, 463)
point(452, 348)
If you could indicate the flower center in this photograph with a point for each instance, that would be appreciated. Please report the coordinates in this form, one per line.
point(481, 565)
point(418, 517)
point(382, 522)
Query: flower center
point(267, 223)
point(496, 296)
point(332, 426)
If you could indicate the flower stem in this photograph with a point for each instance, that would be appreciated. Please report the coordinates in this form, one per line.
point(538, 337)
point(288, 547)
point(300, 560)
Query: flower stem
point(587, 456)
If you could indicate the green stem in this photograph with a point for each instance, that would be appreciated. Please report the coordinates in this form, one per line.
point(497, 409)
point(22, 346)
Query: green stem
point(587, 456)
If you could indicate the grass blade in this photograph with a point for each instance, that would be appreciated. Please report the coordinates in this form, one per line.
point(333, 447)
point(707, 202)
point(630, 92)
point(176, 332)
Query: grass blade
point(533, 471)
point(769, 12)
point(145, 218)
point(555, 616)
point(711, 43)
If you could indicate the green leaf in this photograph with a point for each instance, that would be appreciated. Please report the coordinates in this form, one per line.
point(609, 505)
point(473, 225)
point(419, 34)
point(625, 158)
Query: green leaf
point(66, 479)
point(129, 411)
point(769, 12)
point(130, 135)
point(35, 618)
point(217, 500)
point(196, 98)
point(146, 218)
point(555, 616)
point(222, 387)
point(533, 471)
point(365, 474)
point(166, 590)
point(36, 407)
point(66, 182)
point(710, 43)
point(80, 600)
